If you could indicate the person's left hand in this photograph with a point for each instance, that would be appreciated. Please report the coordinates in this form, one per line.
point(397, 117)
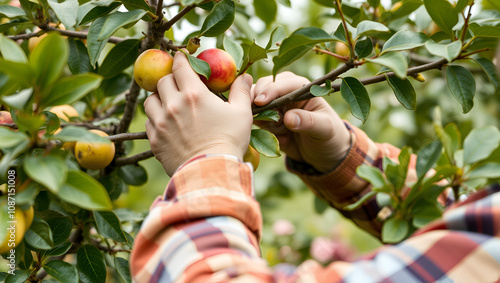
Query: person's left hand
point(187, 120)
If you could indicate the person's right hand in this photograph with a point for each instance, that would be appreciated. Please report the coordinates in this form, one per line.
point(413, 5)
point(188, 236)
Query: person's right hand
point(309, 131)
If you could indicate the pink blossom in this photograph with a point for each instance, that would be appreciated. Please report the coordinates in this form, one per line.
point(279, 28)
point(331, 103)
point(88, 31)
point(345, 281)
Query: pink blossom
point(283, 227)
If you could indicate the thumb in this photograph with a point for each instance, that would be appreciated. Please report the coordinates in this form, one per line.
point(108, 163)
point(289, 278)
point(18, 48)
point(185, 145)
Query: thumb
point(317, 125)
point(239, 94)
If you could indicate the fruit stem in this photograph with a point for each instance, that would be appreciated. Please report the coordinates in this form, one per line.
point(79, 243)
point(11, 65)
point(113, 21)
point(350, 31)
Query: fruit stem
point(343, 58)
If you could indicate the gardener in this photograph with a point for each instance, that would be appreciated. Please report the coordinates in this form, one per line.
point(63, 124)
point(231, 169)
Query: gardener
point(207, 225)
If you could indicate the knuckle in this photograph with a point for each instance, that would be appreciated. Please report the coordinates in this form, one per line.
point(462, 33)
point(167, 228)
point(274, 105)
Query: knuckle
point(191, 96)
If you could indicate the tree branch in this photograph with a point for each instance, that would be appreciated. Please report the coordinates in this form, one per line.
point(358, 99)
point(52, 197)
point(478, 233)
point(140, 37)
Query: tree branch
point(292, 96)
point(159, 9)
point(128, 136)
point(120, 161)
point(69, 33)
point(168, 24)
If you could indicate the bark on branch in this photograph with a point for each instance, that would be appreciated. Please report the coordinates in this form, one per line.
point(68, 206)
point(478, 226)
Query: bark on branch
point(121, 161)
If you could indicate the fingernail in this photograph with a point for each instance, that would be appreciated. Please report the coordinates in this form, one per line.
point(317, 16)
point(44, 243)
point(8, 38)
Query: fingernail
point(260, 97)
point(295, 121)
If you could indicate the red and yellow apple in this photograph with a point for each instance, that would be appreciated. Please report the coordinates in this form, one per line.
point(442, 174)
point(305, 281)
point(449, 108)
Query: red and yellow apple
point(223, 69)
point(5, 118)
point(150, 67)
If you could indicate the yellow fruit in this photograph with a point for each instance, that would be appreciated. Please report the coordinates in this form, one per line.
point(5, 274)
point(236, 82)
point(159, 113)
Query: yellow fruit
point(64, 111)
point(94, 155)
point(252, 156)
point(14, 235)
point(396, 6)
point(28, 216)
point(419, 77)
point(341, 49)
point(69, 146)
point(151, 66)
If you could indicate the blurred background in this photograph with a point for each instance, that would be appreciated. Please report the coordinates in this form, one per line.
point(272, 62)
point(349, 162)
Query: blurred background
point(297, 226)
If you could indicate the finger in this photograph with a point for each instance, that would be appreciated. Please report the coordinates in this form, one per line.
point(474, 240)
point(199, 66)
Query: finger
point(167, 89)
point(153, 107)
point(278, 89)
point(317, 125)
point(184, 75)
point(239, 94)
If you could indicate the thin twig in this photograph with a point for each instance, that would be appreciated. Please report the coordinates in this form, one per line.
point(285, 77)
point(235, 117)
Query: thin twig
point(120, 161)
point(168, 24)
point(128, 136)
point(159, 9)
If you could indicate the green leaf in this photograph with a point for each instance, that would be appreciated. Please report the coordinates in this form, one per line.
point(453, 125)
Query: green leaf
point(368, 27)
point(356, 96)
point(48, 59)
point(447, 51)
point(394, 230)
point(123, 268)
point(78, 60)
point(117, 20)
point(425, 212)
point(395, 61)
point(268, 115)
point(289, 57)
point(61, 227)
point(304, 36)
point(320, 205)
point(234, 49)
point(443, 14)
point(265, 143)
point(360, 201)
point(407, 7)
point(11, 11)
point(480, 143)
point(85, 192)
point(70, 89)
point(134, 175)
point(277, 35)
point(199, 66)
point(109, 226)
point(363, 48)
point(100, 11)
point(120, 57)
point(11, 51)
point(317, 90)
point(9, 138)
point(59, 250)
point(39, 235)
point(135, 4)
point(326, 3)
point(404, 92)
point(486, 31)
point(94, 45)
point(491, 71)
point(23, 74)
point(489, 170)
point(372, 175)
point(266, 10)
point(50, 171)
point(113, 184)
point(403, 40)
point(91, 265)
point(256, 53)
point(73, 133)
point(21, 276)
point(65, 11)
point(427, 157)
point(219, 19)
point(61, 271)
point(462, 85)
point(461, 4)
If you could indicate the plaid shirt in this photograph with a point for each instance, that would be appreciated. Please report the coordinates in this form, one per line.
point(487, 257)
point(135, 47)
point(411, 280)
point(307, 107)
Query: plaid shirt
point(207, 227)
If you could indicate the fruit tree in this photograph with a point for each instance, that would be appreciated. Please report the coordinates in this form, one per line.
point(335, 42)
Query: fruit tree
point(74, 74)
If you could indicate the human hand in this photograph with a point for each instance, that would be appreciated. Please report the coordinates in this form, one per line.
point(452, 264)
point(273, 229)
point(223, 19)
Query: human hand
point(309, 131)
point(187, 120)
